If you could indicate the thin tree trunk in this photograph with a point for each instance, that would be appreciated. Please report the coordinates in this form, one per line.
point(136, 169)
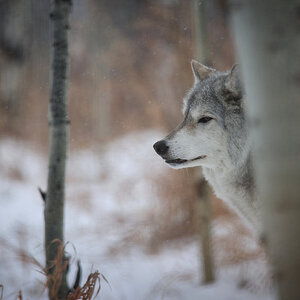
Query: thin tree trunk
point(268, 42)
point(201, 39)
point(204, 212)
point(203, 191)
point(59, 131)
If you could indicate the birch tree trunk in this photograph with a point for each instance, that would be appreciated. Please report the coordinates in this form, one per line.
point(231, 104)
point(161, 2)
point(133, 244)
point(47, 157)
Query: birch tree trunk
point(268, 43)
point(59, 131)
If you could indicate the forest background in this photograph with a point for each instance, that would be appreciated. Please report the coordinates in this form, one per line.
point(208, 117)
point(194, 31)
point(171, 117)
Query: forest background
point(126, 211)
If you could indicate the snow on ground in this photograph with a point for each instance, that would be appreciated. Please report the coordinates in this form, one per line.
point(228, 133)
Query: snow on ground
point(109, 192)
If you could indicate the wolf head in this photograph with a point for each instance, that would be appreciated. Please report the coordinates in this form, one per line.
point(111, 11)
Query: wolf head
point(212, 133)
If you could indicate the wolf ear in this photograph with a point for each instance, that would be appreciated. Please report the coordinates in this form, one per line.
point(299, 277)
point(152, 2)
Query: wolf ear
point(200, 71)
point(232, 82)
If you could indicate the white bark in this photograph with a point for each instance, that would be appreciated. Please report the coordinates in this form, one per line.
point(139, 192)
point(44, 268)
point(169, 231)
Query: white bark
point(59, 131)
point(268, 43)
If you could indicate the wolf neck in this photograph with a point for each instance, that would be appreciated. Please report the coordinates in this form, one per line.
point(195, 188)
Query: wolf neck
point(234, 185)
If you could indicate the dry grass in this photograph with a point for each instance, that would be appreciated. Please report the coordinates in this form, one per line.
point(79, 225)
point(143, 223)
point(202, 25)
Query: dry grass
point(20, 295)
point(176, 215)
point(88, 291)
point(175, 219)
point(22, 254)
point(59, 267)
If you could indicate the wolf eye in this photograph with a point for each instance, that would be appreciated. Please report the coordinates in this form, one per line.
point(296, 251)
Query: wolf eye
point(204, 120)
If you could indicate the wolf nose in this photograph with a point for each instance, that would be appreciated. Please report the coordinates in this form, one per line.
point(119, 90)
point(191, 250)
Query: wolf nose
point(161, 147)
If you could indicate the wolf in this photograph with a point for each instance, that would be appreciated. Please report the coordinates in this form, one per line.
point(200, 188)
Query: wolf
point(214, 135)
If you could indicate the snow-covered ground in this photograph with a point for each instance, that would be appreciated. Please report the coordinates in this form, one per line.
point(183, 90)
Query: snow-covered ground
point(109, 193)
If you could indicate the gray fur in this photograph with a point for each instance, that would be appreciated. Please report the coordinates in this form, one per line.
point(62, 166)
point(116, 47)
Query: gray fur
point(220, 145)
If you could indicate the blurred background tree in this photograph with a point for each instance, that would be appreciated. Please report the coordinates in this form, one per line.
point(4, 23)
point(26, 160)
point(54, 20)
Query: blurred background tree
point(130, 66)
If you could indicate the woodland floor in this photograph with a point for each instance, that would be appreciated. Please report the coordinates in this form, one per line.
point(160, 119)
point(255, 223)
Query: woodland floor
point(112, 216)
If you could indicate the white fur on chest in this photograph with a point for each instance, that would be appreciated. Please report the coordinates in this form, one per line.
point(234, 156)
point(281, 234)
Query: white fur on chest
point(225, 188)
